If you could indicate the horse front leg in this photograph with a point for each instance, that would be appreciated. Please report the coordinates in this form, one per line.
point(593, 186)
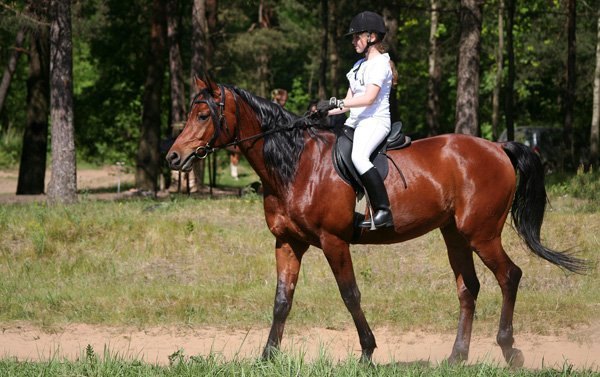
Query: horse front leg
point(338, 255)
point(288, 257)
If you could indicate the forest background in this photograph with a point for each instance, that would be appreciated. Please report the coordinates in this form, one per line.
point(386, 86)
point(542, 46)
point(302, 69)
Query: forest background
point(134, 61)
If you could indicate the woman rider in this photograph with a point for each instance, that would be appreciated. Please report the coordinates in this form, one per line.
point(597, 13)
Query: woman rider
point(367, 100)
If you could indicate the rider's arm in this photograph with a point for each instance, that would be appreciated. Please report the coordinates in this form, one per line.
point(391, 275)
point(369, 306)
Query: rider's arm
point(359, 101)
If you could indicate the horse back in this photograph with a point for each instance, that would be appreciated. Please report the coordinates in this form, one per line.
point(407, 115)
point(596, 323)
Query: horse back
point(447, 179)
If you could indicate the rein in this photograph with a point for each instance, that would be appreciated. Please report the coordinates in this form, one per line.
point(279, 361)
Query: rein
point(203, 151)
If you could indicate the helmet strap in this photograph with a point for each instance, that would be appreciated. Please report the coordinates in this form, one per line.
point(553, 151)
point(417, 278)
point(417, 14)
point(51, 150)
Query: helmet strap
point(369, 44)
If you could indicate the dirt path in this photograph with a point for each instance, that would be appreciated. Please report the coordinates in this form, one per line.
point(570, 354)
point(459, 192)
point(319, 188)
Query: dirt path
point(154, 345)
point(87, 179)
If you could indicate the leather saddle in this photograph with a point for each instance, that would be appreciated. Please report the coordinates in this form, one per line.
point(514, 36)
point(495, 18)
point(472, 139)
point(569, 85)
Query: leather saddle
point(342, 151)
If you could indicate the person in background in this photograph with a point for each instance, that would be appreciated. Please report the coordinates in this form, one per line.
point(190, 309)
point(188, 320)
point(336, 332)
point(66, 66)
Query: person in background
point(367, 99)
point(234, 159)
point(279, 96)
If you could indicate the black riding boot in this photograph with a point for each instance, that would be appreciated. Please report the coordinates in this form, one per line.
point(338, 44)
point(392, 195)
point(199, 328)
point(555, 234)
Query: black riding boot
point(378, 198)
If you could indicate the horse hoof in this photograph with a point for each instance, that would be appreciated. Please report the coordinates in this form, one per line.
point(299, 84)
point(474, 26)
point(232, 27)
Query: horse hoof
point(366, 357)
point(515, 358)
point(458, 355)
point(269, 353)
point(456, 359)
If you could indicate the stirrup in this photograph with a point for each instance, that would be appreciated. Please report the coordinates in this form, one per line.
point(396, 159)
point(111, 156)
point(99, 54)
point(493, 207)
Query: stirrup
point(385, 222)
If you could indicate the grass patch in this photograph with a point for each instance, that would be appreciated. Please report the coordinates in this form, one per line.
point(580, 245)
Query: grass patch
point(582, 189)
point(211, 262)
point(11, 142)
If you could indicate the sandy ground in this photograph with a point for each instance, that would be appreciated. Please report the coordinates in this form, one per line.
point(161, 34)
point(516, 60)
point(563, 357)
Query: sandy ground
point(579, 347)
point(154, 345)
point(87, 179)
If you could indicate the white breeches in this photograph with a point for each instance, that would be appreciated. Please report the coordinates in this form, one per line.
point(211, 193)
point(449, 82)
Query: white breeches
point(369, 133)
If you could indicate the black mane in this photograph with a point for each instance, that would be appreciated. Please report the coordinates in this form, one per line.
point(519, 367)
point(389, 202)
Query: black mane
point(282, 150)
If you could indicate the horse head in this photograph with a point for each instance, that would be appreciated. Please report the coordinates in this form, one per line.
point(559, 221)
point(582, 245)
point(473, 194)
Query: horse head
point(207, 127)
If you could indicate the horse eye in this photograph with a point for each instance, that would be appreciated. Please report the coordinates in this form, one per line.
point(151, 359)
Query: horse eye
point(203, 117)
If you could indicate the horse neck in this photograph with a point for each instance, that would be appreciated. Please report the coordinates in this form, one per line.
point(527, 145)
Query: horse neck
point(249, 126)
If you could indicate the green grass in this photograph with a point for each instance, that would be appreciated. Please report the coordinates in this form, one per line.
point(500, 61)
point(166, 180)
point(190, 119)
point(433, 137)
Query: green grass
point(11, 142)
point(203, 262)
point(92, 364)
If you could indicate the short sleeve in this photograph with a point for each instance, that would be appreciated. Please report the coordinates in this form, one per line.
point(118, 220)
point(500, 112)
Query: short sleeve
point(378, 72)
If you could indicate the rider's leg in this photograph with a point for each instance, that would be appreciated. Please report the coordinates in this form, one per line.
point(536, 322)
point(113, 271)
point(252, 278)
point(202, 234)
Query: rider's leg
point(367, 136)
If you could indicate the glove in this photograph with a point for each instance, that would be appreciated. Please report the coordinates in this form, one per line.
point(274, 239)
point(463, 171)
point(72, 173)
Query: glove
point(324, 106)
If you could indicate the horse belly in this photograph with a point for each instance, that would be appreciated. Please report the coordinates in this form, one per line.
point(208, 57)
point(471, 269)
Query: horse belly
point(411, 220)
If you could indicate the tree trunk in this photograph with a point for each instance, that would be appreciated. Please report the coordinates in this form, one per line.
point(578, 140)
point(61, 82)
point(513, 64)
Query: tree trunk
point(62, 188)
point(467, 91)
point(204, 21)
point(175, 65)
point(11, 67)
point(148, 160)
point(435, 73)
point(499, 68)
point(201, 49)
point(569, 100)
point(263, 60)
point(334, 57)
point(323, 92)
point(391, 38)
point(177, 110)
point(509, 112)
point(595, 129)
point(32, 168)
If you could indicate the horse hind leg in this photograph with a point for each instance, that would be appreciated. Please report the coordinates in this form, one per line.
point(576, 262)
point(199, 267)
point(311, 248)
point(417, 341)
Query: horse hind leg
point(508, 276)
point(467, 285)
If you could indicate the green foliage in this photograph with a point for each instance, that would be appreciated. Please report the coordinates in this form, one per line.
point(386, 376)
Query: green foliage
point(298, 98)
point(111, 44)
point(10, 148)
point(583, 185)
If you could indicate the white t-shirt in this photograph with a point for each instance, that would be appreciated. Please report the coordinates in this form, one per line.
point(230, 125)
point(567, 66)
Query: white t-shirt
point(375, 71)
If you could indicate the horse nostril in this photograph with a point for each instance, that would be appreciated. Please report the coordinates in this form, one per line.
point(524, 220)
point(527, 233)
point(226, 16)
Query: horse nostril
point(173, 159)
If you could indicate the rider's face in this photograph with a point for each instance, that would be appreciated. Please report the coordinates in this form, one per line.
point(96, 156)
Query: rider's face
point(359, 41)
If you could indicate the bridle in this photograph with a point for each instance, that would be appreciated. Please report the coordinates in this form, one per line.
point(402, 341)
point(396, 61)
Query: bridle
point(217, 113)
point(218, 118)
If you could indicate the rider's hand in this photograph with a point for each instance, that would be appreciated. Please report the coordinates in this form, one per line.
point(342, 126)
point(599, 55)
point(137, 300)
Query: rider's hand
point(324, 106)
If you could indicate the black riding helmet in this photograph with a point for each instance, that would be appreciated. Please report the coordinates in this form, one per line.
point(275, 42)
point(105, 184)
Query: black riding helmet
point(367, 21)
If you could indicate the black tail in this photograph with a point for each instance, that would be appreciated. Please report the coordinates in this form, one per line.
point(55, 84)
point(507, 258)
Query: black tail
point(529, 206)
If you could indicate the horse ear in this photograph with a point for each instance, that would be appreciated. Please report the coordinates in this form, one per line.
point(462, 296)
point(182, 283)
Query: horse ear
point(200, 84)
point(212, 84)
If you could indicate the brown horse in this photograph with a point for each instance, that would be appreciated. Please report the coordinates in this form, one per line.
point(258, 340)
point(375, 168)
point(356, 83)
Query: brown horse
point(463, 185)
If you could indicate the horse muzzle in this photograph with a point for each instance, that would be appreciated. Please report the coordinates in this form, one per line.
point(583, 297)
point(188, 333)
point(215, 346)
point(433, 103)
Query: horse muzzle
point(177, 163)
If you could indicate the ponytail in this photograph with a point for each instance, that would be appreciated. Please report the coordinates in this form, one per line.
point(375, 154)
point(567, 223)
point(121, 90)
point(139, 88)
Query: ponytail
point(394, 73)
